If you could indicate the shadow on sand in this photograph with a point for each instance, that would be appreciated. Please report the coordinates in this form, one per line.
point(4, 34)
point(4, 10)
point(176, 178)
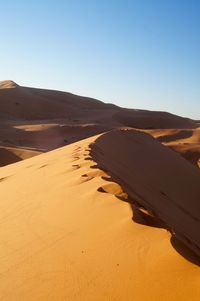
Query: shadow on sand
point(143, 217)
point(184, 134)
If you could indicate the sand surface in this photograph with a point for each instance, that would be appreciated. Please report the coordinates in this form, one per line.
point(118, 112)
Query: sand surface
point(186, 142)
point(41, 120)
point(155, 177)
point(113, 217)
point(65, 236)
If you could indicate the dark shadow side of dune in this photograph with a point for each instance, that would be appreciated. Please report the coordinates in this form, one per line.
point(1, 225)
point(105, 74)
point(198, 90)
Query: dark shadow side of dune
point(7, 157)
point(180, 135)
point(190, 151)
point(142, 166)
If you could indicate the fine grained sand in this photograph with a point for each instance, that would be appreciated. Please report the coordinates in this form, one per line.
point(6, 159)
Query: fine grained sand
point(65, 236)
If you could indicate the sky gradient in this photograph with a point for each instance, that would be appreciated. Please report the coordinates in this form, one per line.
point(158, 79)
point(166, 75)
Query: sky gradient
point(138, 54)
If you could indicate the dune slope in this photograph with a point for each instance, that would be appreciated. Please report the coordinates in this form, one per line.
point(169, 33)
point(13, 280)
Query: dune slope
point(156, 178)
point(45, 119)
point(24, 103)
point(64, 235)
point(186, 142)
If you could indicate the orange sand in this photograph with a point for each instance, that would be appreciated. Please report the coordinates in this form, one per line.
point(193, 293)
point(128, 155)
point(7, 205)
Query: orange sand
point(184, 141)
point(68, 230)
point(42, 120)
point(62, 238)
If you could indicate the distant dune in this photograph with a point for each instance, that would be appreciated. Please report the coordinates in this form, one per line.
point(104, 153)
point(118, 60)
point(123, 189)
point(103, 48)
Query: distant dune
point(152, 120)
point(7, 84)
point(185, 142)
point(10, 155)
point(42, 120)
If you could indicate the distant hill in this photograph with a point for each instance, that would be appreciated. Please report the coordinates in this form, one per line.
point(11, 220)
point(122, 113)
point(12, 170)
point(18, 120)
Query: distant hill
point(37, 120)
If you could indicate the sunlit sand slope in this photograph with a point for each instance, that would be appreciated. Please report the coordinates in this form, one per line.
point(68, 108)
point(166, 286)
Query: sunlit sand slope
point(64, 235)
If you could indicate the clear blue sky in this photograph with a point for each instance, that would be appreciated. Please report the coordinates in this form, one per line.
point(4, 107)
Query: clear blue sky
point(139, 54)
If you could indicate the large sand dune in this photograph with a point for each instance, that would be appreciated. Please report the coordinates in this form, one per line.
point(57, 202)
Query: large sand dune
point(156, 178)
point(112, 217)
point(65, 235)
point(42, 120)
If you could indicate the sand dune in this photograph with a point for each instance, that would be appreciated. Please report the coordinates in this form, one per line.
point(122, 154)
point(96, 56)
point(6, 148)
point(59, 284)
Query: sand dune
point(112, 217)
point(7, 84)
point(45, 119)
point(152, 120)
point(154, 177)
point(38, 104)
point(37, 138)
point(9, 155)
point(71, 238)
point(186, 142)
point(179, 135)
point(190, 151)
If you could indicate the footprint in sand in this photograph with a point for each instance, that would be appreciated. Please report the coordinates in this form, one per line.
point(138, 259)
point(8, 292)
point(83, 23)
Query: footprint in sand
point(75, 158)
point(77, 148)
point(88, 158)
point(76, 151)
point(76, 166)
point(107, 178)
point(95, 166)
point(3, 179)
point(29, 166)
point(114, 189)
point(42, 166)
point(91, 175)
